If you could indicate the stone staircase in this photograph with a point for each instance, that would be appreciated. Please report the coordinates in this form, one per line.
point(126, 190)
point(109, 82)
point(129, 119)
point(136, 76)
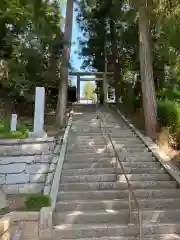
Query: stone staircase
point(93, 198)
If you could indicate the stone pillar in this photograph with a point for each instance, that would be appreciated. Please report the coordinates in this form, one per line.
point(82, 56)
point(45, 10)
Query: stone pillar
point(39, 112)
point(78, 88)
point(105, 88)
point(13, 122)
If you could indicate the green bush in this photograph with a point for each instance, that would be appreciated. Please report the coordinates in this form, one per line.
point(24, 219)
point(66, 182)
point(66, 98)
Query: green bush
point(21, 133)
point(35, 202)
point(172, 94)
point(169, 114)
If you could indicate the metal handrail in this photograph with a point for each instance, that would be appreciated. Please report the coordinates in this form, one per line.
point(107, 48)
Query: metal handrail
point(132, 195)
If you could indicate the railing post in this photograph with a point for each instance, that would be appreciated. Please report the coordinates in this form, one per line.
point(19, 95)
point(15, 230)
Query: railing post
point(130, 208)
point(140, 226)
point(131, 195)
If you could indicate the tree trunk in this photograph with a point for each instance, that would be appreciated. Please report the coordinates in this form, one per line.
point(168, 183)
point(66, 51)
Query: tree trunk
point(62, 94)
point(116, 64)
point(147, 80)
point(62, 99)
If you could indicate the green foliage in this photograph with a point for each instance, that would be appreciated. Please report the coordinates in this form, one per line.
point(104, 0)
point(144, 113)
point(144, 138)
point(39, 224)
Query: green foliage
point(14, 135)
point(169, 114)
point(165, 33)
point(96, 20)
point(35, 202)
point(23, 128)
point(31, 44)
point(169, 93)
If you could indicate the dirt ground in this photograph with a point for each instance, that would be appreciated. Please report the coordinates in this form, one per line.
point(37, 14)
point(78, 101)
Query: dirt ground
point(164, 140)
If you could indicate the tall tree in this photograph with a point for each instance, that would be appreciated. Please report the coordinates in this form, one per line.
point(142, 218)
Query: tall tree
point(29, 38)
point(62, 95)
point(147, 80)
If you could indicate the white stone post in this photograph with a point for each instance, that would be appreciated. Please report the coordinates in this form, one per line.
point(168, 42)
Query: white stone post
point(13, 122)
point(39, 112)
point(78, 88)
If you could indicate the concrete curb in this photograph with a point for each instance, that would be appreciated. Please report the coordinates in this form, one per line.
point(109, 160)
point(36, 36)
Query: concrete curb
point(25, 141)
point(52, 167)
point(154, 148)
point(46, 223)
point(19, 225)
point(57, 174)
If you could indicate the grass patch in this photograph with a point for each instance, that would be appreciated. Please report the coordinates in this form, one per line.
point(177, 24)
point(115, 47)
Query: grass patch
point(35, 202)
point(25, 203)
point(14, 135)
point(23, 127)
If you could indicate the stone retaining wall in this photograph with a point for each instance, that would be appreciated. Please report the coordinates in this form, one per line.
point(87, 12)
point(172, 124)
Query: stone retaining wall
point(27, 168)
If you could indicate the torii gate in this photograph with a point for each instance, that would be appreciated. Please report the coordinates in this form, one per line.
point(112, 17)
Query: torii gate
point(101, 76)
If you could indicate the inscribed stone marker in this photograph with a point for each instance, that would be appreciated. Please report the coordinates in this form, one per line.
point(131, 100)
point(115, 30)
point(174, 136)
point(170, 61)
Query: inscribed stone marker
point(13, 122)
point(39, 111)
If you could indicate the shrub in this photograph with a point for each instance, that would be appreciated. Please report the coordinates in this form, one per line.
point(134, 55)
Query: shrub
point(35, 202)
point(169, 114)
point(172, 94)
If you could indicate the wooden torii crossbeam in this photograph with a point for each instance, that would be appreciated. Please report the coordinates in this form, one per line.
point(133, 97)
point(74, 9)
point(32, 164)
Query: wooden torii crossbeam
point(89, 73)
point(91, 79)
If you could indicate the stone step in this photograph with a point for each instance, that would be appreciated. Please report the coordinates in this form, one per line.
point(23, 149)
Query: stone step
point(79, 217)
point(127, 145)
point(145, 171)
point(134, 150)
point(118, 194)
point(113, 177)
point(121, 134)
point(87, 155)
point(89, 205)
point(78, 231)
point(137, 158)
point(141, 164)
point(87, 138)
point(127, 141)
point(85, 127)
point(172, 236)
point(108, 238)
point(90, 137)
point(104, 164)
point(90, 143)
point(144, 177)
point(88, 151)
point(78, 141)
point(94, 170)
point(89, 178)
point(141, 155)
point(155, 216)
point(114, 216)
point(117, 185)
point(85, 147)
point(89, 133)
point(78, 165)
point(102, 158)
point(83, 144)
point(148, 237)
point(90, 171)
point(83, 160)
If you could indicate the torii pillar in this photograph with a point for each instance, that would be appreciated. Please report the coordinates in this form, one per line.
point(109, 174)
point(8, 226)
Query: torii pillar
point(78, 88)
point(105, 88)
